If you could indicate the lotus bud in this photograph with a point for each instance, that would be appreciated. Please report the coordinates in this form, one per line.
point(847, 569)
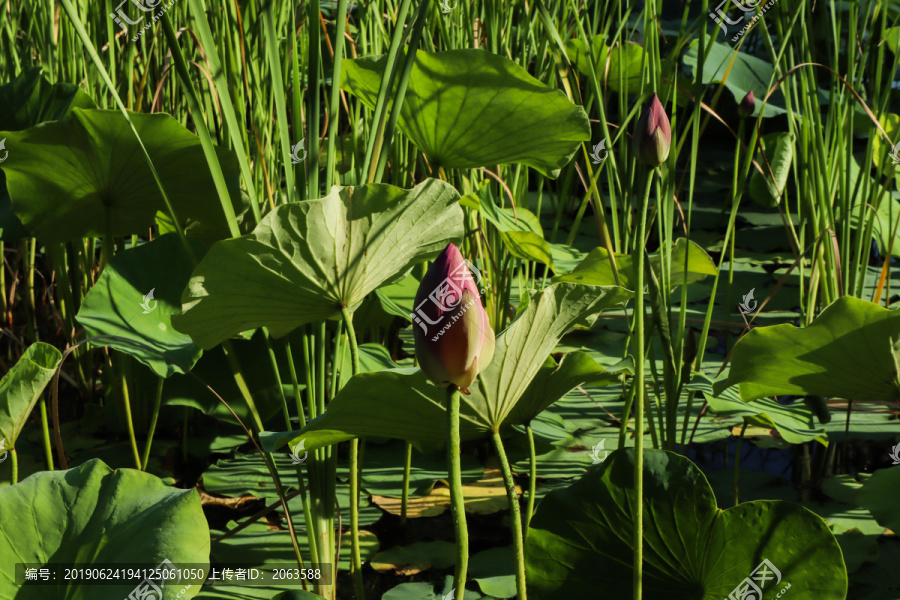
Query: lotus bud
point(653, 134)
point(454, 340)
point(747, 105)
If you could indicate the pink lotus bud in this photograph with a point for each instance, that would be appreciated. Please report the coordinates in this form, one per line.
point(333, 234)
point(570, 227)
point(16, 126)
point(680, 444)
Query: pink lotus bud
point(747, 105)
point(454, 341)
point(653, 134)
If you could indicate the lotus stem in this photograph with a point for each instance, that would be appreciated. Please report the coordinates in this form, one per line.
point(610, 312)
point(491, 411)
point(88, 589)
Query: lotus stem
point(157, 402)
point(14, 477)
point(356, 562)
point(126, 403)
point(532, 478)
point(637, 252)
point(407, 467)
point(457, 500)
point(45, 428)
point(516, 518)
point(241, 383)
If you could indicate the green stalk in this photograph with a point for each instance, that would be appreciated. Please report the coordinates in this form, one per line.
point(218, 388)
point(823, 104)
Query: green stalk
point(126, 402)
point(737, 463)
point(3, 305)
point(308, 513)
point(14, 478)
point(241, 383)
point(457, 500)
point(201, 26)
point(638, 508)
point(209, 151)
point(312, 110)
point(157, 402)
point(271, 45)
point(45, 428)
point(335, 105)
point(356, 560)
point(95, 58)
point(373, 145)
point(515, 516)
point(532, 477)
point(409, 61)
point(407, 467)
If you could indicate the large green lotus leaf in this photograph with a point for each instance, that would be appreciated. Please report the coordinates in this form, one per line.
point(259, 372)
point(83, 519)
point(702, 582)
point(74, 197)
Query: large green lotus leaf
point(421, 590)
point(305, 260)
point(845, 353)
point(21, 388)
point(399, 299)
point(395, 403)
point(505, 219)
point(248, 475)
point(383, 469)
point(97, 515)
point(401, 403)
point(119, 304)
point(519, 228)
point(553, 381)
point(878, 495)
point(741, 73)
point(885, 216)
point(30, 99)
point(259, 546)
point(24, 102)
point(580, 539)
point(627, 58)
point(85, 175)
point(795, 422)
point(524, 346)
point(595, 268)
point(470, 108)
point(581, 56)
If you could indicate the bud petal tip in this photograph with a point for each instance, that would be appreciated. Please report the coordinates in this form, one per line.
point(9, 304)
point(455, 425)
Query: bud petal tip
point(652, 135)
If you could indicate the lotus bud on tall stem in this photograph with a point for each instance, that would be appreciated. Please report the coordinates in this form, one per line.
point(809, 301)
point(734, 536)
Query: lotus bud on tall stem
point(650, 144)
point(454, 342)
point(747, 105)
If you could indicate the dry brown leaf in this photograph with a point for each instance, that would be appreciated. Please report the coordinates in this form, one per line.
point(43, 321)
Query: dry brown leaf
point(485, 496)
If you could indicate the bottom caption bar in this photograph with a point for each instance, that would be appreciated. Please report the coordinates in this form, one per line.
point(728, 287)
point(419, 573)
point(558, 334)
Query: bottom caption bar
point(152, 578)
